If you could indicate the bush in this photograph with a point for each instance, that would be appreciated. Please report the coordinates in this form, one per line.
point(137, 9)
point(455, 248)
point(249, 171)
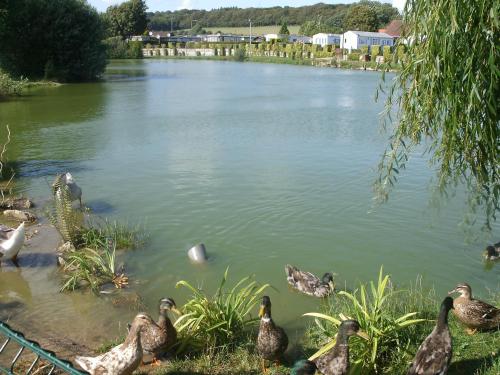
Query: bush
point(364, 50)
point(66, 34)
point(221, 320)
point(375, 51)
point(9, 86)
point(387, 54)
point(116, 48)
point(354, 56)
point(379, 314)
point(239, 55)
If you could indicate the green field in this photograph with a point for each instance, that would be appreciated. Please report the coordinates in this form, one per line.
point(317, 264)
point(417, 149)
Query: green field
point(256, 30)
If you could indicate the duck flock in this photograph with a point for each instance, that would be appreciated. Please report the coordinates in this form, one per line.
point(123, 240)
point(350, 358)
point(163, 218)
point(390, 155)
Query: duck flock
point(154, 339)
point(147, 337)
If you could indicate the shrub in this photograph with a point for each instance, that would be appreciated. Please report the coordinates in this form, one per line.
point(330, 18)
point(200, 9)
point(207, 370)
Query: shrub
point(66, 33)
point(375, 51)
point(239, 55)
point(364, 50)
point(116, 48)
point(387, 54)
point(354, 56)
point(9, 86)
point(220, 320)
point(380, 316)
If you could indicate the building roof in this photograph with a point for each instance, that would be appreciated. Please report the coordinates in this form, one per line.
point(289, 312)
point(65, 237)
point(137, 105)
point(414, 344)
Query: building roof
point(371, 34)
point(329, 34)
point(394, 28)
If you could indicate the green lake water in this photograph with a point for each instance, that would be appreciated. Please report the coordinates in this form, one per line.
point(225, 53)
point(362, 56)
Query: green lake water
point(265, 164)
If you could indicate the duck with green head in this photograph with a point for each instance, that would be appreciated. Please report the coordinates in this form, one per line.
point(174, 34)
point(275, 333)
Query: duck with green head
point(272, 340)
point(434, 354)
point(336, 360)
point(474, 313)
point(492, 252)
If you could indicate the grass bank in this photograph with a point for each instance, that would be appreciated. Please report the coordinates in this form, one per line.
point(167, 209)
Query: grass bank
point(379, 313)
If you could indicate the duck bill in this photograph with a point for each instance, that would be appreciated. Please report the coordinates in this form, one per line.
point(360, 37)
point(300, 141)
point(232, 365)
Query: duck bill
point(452, 291)
point(363, 335)
point(261, 312)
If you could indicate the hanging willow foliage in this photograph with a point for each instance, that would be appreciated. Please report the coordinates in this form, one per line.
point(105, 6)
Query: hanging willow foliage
point(447, 97)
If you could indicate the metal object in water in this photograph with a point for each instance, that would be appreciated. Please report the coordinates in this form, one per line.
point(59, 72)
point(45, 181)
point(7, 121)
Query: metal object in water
point(198, 253)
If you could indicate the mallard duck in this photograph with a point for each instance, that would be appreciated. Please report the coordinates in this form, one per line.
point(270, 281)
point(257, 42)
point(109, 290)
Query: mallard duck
point(10, 247)
point(303, 367)
point(492, 252)
point(122, 359)
point(473, 313)
point(336, 360)
point(434, 354)
point(75, 192)
point(157, 338)
point(308, 283)
point(272, 340)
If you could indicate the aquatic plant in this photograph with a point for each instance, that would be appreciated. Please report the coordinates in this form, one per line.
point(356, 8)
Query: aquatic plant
point(93, 268)
point(99, 231)
point(219, 320)
point(372, 307)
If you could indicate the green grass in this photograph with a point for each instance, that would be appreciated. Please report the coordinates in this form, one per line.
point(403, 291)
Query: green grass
point(472, 355)
point(221, 320)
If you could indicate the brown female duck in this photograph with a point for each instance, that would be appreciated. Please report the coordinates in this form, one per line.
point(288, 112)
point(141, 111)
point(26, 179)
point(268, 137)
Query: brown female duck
point(308, 283)
point(492, 252)
point(272, 340)
point(434, 354)
point(473, 313)
point(158, 337)
point(336, 360)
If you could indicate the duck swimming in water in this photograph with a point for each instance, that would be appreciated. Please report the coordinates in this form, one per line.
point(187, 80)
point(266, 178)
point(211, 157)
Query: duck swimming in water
point(492, 252)
point(308, 283)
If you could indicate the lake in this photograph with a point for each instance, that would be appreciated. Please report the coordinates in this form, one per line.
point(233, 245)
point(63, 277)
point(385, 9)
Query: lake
point(265, 164)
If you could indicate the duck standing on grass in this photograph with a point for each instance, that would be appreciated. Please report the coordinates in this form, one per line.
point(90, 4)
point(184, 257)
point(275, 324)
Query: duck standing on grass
point(122, 359)
point(434, 354)
point(157, 338)
point(308, 283)
point(473, 313)
point(9, 248)
point(336, 360)
point(272, 340)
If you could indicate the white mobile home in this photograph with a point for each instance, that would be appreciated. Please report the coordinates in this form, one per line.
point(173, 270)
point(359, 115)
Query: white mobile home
point(323, 39)
point(357, 39)
point(293, 38)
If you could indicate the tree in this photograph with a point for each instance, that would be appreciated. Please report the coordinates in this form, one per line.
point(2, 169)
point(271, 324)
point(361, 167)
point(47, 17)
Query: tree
point(447, 98)
point(127, 19)
point(62, 41)
point(361, 17)
point(284, 29)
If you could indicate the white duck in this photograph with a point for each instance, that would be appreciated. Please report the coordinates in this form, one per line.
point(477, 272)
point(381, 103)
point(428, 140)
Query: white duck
point(75, 192)
point(122, 359)
point(9, 248)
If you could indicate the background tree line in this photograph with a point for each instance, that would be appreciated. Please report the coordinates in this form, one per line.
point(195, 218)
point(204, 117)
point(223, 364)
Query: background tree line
point(368, 15)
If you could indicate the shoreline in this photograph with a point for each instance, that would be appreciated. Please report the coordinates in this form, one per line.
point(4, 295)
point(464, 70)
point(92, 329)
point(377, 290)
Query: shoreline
point(318, 62)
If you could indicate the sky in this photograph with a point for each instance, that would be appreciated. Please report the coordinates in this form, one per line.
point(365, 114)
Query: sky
point(159, 5)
